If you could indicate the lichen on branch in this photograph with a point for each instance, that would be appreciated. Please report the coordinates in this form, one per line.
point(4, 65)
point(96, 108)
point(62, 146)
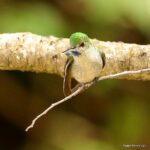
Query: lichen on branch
point(31, 52)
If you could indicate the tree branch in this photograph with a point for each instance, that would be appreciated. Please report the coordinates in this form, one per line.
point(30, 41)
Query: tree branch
point(31, 52)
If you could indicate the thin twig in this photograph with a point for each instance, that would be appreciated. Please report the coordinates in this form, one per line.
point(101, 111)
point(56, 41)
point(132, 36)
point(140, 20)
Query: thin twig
point(124, 73)
point(111, 76)
point(81, 88)
point(54, 105)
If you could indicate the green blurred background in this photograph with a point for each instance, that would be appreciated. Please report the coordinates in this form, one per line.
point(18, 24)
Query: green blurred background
point(106, 116)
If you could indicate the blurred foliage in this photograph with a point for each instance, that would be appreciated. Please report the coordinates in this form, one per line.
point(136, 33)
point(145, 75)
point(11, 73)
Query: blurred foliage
point(38, 18)
point(107, 115)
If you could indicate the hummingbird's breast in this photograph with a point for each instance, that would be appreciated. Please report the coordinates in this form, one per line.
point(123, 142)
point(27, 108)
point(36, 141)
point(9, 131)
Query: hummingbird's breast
point(87, 66)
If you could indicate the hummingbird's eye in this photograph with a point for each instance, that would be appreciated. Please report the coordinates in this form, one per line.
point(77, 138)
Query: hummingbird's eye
point(82, 44)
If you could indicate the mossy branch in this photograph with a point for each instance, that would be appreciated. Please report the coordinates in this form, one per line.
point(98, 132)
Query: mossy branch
point(31, 52)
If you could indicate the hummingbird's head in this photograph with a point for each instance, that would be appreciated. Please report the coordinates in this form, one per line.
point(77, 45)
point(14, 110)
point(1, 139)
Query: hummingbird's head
point(79, 39)
point(78, 43)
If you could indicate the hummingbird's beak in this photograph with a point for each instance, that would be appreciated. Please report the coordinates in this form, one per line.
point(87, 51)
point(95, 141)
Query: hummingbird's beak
point(73, 47)
point(68, 52)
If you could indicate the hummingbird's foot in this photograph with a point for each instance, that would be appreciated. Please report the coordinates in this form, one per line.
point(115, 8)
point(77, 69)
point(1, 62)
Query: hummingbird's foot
point(95, 80)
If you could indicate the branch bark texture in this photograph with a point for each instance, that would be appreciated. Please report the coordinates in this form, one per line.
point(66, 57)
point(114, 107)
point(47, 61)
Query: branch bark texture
point(31, 52)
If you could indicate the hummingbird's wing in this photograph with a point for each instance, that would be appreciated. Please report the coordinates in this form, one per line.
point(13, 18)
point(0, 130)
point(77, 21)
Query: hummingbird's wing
point(67, 77)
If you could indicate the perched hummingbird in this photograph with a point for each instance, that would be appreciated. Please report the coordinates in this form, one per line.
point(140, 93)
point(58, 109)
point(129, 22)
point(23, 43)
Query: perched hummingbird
point(85, 62)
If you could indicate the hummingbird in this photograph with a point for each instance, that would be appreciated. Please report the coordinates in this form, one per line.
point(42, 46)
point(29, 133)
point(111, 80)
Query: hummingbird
point(84, 62)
